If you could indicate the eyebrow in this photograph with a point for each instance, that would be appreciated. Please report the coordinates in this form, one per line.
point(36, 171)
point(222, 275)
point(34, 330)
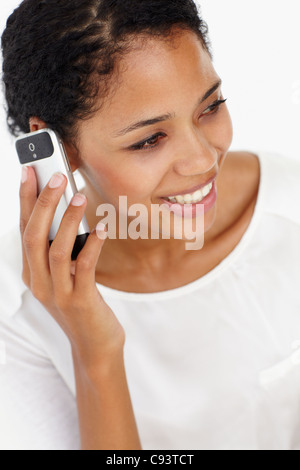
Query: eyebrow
point(164, 117)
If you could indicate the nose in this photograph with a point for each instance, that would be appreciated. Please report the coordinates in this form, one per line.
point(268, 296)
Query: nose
point(194, 155)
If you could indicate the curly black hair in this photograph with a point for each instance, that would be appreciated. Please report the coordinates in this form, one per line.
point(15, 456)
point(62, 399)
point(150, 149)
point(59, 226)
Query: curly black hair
point(59, 56)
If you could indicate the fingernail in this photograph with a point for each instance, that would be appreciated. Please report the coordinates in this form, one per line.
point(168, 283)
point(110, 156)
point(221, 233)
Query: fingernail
point(56, 180)
point(78, 200)
point(101, 231)
point(24, 174)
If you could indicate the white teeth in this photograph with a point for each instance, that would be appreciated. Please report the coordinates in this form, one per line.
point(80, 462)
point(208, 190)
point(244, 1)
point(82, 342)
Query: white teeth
point(205, 191)
point(197, 196)
point(187, 198)
point(194, 198)
point(179, 199)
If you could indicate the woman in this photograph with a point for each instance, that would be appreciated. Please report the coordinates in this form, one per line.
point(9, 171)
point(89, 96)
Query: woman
point(163, 347)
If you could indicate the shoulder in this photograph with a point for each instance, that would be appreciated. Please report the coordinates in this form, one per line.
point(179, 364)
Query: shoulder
point(280, 185)
point(244, 169)
point(238, 183)
point(278, 182)
point(12, 286)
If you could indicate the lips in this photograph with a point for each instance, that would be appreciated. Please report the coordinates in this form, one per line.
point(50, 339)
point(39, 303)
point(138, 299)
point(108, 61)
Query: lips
point(207, 204)
point(192, 190)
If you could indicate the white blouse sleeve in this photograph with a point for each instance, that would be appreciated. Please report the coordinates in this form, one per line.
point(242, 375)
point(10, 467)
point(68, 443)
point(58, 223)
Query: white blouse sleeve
point(37, 393)
point(37, 409)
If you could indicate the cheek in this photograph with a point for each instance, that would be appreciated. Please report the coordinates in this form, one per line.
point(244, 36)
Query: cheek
point(137, 181)
point(219, 132)
point(225, 131)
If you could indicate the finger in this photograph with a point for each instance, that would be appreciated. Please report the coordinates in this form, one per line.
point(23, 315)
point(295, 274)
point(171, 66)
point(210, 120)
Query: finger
point(73, 267)
point(36, 235)
point(62, 246)
point(88, 258)
point(28, 197)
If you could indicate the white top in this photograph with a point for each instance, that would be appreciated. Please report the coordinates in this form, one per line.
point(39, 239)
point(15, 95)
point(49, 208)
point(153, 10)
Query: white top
point(214, 364)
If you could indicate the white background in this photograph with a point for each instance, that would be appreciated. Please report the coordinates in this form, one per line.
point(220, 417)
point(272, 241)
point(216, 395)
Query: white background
point(256, 53)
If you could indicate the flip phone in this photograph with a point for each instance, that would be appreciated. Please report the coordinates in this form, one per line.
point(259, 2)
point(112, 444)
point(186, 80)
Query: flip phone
point(45, 152)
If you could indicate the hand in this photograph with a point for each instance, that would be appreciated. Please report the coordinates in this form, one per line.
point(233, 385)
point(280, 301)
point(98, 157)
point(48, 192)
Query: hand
point(73, 300)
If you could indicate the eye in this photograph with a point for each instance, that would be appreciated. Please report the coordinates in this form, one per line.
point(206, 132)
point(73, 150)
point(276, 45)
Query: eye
point(152, 141)
point(149, 143)
point(214, 108)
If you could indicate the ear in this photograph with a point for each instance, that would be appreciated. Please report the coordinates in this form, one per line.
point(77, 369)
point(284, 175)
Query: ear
point(37, 124)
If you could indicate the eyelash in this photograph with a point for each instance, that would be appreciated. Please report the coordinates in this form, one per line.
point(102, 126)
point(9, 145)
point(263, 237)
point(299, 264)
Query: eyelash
point(215, 107)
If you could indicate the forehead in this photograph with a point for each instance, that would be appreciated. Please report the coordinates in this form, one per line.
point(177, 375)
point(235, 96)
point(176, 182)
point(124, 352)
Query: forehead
point(155, 75)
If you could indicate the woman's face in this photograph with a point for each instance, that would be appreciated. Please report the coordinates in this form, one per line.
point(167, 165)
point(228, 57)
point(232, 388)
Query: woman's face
point(170, 156)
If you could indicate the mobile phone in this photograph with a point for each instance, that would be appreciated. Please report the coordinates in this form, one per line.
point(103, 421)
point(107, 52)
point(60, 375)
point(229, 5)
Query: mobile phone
point(45, 152)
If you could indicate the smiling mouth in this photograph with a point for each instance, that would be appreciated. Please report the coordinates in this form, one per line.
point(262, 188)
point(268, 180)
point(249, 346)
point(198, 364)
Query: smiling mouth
point(193, 197)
